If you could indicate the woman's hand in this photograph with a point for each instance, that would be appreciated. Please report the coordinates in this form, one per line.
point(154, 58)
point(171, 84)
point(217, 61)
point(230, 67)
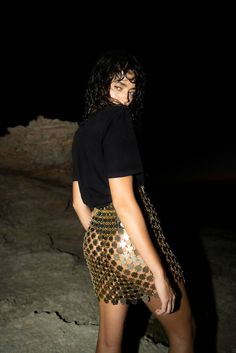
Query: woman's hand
point(166, 295)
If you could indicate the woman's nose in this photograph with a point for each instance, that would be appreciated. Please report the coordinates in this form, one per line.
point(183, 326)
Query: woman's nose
point(126, 99)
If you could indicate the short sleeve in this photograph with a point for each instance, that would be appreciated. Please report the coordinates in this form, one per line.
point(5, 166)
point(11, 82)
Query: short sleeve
point(121, 152)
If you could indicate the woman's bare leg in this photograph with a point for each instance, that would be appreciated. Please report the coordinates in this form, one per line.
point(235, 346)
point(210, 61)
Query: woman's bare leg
point(111, 325)
point(179, 325)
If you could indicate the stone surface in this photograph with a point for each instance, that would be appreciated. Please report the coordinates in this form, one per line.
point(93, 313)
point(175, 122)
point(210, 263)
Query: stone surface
point(43, 276)
point(221, 250)
point(43, 142)
point(42, 148)
point(47, 303)
point(46, 332)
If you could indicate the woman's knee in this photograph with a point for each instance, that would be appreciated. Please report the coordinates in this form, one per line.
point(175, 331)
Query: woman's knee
point(106, 345)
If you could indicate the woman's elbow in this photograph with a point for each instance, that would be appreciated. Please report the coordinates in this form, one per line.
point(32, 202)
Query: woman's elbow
point(122, 203)
point(75, 205)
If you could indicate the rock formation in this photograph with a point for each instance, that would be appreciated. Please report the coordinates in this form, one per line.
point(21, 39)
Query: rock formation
point(47, 303)
point(43, 148)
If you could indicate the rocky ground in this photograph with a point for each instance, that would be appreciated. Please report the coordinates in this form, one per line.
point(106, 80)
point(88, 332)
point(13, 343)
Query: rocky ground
point(47, 304)
point(46, 300)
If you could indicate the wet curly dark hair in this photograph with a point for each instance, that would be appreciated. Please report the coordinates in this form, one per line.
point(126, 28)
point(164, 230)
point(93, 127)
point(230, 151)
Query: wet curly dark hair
point(113, 64)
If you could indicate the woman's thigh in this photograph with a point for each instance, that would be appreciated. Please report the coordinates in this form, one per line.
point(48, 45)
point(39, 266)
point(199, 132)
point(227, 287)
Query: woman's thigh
point(111, 322)
point(179, 325)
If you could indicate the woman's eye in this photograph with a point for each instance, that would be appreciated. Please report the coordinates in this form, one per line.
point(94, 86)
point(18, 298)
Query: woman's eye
point(118, 88)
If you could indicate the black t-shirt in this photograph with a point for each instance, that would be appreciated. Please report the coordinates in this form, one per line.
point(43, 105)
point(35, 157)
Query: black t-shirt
point(105, 146)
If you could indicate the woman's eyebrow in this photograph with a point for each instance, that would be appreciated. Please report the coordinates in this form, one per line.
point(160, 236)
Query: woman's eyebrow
point(124, 84)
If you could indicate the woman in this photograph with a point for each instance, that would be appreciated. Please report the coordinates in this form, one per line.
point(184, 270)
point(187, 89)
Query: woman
point(111, 201)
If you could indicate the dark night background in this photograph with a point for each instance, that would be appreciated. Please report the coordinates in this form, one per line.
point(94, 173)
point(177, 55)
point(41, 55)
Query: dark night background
point(187, 125)
point(187, 121)
point(187, 132)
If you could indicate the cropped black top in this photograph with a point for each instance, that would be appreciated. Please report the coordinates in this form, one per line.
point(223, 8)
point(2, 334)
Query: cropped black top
point(105, 146)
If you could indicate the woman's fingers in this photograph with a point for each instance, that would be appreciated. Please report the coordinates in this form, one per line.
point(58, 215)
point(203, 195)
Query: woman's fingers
point(166, 295)
point(160, 311)
point(173, 303)
point(164, 309)
point(167, 307)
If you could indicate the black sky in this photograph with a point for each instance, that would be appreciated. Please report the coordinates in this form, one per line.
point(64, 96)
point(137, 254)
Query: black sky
point(46, 65)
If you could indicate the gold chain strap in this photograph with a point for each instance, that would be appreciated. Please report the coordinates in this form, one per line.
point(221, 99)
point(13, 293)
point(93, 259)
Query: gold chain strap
point(157, 230)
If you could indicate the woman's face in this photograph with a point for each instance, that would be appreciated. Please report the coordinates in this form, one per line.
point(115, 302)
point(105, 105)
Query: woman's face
point(122, 91)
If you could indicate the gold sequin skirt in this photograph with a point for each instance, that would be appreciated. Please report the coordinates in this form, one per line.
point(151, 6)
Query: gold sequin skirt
point(118, 272)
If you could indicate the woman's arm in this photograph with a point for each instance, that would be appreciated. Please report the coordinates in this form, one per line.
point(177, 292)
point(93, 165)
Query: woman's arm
point(83, 211)
point(131, 217)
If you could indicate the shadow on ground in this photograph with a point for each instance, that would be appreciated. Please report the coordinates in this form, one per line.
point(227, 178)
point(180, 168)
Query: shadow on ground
point(184, 210)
